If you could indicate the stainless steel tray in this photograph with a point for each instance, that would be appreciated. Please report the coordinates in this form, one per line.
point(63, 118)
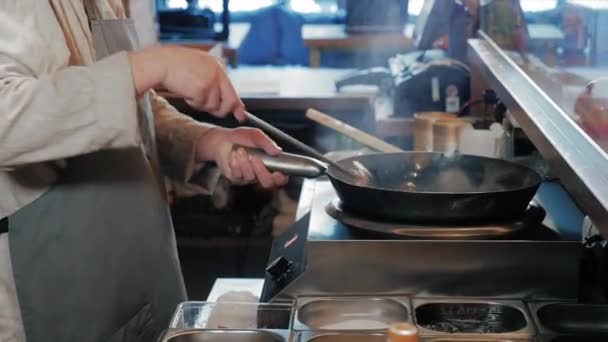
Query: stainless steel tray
point(461, 317)
point(572, 338)
point(469, 339)
point(570, 321)
point(350, 313)
point(232, 315)
point(230, 321)
point(226, 336)
point(339, 337)
point(377, 337)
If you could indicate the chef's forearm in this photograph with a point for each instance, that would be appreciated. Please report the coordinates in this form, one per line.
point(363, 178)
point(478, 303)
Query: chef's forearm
point(177, 137)
point(148, 68)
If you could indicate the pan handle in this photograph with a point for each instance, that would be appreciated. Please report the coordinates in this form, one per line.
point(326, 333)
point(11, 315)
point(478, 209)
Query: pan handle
point(289, 164)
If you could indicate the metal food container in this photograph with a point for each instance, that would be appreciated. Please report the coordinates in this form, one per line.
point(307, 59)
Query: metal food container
point(454, 318)
point(568, 321)
point(350, 313)
point(231, 315)
point(340, 337)
point(469, 339)
point(226, 336)
point(377, 337)
point(230, 321)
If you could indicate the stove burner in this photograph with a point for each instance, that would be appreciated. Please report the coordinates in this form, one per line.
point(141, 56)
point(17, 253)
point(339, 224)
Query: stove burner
point(531, 218)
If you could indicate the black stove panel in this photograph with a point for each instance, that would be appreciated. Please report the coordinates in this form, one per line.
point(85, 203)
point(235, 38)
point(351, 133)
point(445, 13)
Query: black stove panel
point(287, 260)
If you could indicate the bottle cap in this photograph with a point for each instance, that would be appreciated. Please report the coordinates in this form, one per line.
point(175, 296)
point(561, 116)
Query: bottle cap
point(402, 332)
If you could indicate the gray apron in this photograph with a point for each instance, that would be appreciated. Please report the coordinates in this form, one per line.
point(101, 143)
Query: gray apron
point(95, 258)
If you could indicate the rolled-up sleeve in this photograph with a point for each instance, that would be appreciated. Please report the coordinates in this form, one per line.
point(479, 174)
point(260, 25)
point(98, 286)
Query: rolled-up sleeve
point(48, 109)
point(177, 137)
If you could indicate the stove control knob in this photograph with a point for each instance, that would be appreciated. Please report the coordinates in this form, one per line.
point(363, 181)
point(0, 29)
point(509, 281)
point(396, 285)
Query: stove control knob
point(279, 268)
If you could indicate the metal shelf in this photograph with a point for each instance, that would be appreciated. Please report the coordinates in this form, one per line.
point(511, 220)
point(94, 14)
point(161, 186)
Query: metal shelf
point(580, 164)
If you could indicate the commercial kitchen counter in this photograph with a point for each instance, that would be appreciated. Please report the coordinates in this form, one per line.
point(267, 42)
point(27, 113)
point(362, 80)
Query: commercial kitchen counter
point(322, 318)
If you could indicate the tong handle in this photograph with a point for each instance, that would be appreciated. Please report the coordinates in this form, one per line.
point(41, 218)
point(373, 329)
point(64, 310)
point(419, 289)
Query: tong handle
point(309, 151)
point(289, 164)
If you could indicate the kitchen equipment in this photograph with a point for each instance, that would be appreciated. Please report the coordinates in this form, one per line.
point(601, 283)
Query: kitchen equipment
point(575, 318)
point(417, 82)
point(570, 321)
point(350, 313)
point(441, 85)
point(351, 132)
point(321, 256)
point(446, 231)
point(489, 143)
point(342, 337)
point(229, 321)
point(446, 135)
point(378, 76)
point(423, 128)
point(270, 129)
point(427, 187)
point(415, 186)
point(473, 318)
point(226, 336)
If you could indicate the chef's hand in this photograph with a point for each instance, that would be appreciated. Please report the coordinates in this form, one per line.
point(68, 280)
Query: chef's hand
point(190, 73)
point(218, 145)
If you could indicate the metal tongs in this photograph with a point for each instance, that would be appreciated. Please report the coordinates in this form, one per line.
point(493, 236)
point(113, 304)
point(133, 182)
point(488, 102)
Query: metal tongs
point(293, 164)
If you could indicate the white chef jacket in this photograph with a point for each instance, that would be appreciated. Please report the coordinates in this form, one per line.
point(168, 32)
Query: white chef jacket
point(57, 102)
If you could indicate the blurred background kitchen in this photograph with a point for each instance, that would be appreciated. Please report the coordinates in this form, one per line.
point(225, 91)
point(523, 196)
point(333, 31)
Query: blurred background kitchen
point(513, 79)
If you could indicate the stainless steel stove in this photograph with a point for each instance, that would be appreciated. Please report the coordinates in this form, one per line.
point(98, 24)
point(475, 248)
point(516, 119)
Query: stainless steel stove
point(319, 255)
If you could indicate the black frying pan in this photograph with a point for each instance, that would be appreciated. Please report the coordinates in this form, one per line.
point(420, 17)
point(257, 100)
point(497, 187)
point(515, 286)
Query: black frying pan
point(416, 186)
point(424, 186)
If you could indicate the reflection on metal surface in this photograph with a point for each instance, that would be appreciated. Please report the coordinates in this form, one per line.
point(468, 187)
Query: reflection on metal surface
point(568, 321)
point(473, 318)
point(350, 313)
point(575, 338)
point(478, 318)
point(575, 318)
point(226, 336)
point(243, 312)
point(576, 159)
point(455, 339)
point(347, 337)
